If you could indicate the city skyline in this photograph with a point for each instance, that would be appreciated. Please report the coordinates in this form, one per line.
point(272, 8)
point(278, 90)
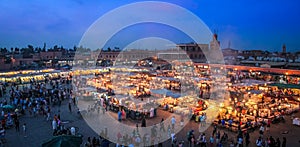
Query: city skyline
point(246, 25)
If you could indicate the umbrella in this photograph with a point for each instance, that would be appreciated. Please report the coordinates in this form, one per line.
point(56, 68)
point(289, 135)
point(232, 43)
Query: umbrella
point(7, 107)
point(64, 140)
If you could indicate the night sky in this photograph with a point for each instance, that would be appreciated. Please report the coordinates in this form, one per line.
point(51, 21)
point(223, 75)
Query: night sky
point(246, 24)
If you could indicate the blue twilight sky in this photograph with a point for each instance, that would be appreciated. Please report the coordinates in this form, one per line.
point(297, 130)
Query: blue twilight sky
point(246, 24)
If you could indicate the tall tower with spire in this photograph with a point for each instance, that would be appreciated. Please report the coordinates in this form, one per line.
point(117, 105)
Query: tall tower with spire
point(283, 49)
point(215, 44)
point(215, 53)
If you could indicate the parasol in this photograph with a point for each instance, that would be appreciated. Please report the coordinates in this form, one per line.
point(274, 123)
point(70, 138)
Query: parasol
point(7, 107)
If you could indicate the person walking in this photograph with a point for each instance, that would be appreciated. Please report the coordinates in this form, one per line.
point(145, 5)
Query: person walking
point(173, 121)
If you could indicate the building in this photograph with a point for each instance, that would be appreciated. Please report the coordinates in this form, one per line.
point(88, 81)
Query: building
point(230, 56)
point(196, 52)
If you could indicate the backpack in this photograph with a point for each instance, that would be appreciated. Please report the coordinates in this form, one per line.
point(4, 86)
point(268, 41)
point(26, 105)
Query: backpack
point(258, 142)
point(203, 139)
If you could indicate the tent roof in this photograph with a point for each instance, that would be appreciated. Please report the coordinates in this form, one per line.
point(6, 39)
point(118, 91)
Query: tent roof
point(166, 92)
point(292, 86)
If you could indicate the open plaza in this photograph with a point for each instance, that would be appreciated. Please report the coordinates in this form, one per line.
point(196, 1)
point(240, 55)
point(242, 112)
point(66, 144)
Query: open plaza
point(186, 105)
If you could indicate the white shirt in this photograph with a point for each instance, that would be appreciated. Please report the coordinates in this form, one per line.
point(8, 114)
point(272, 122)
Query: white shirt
point(173, 136)
point(262, 128)
point(72, 130)
point(54, 125)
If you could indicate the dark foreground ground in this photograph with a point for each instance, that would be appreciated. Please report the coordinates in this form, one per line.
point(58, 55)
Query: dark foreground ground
point(40, 130)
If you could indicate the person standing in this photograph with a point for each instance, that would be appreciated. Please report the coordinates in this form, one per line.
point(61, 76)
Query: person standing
point(203, 140)
point(137, 140)
point(104, 109)
point(247, 137)
point(162, 126)
point(261, 130)
point(240, 141)
point(120, 116)
point(259, 142)
point(143, 122)
point(277, 143)
point(98, 110)
point(230, 121)
point(218, 136)
point(173, 121)
point(70, 108)
point(17, 123)
point(48, 114)
point(215, 130)
point(283, 142)
point(272, 141)
point(24, 130)
point(211, 141)
point(54, 125)
point(268, 126)
point(181, 119)
point(74, 101)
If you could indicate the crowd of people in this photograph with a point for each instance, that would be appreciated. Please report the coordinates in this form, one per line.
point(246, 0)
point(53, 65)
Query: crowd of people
point(37, 99)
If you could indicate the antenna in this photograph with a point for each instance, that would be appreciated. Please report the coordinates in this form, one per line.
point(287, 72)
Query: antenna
point(229, 43)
